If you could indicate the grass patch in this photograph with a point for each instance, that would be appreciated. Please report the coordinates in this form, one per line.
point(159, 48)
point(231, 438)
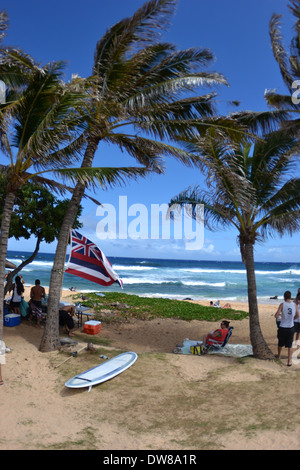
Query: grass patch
point(83, 443)
point(126, 307)
point(94, 339)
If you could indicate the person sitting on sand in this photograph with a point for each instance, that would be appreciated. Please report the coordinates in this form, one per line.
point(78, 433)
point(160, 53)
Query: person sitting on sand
point(66, 315)
point(226, 305)
point(289, 312)
point(217, 304)
point(217, 336)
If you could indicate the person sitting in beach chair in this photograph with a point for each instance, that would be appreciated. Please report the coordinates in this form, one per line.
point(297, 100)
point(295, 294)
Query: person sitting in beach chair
point(219, 337)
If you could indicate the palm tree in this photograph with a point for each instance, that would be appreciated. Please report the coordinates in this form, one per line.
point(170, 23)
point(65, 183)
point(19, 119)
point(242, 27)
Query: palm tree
point(41, 129)
point(141, 102)
point(36, 104)
point(289, 66)
point(252, 188)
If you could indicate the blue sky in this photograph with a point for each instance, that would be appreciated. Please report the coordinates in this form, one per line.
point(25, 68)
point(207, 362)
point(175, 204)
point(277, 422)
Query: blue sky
point(237, 33)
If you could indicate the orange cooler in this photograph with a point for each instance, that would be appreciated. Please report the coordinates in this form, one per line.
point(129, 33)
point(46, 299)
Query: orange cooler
point(92, 327)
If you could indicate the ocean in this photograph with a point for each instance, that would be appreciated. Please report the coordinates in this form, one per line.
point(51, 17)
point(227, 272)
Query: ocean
point(177, 279)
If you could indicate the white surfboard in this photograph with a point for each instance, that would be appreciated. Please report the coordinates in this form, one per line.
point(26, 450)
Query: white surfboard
point(103, 372)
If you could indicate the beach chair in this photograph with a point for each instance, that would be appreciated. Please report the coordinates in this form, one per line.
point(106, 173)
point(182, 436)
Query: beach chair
point(216, 346)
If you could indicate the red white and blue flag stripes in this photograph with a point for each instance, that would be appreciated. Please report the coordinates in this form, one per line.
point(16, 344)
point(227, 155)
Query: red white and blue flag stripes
point(88, 261)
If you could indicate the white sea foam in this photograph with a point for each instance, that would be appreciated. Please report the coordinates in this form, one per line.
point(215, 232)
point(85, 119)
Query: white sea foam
point(296, 272)
point(135, 280)
point(213, 271)
point(132, 268)
point(202, 283)
point(138, 280)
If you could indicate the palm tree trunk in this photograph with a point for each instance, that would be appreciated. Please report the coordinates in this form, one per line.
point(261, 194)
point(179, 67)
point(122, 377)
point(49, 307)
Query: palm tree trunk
point(259, 345)
point(5, 224)
point(50, 340)
point(12, 274)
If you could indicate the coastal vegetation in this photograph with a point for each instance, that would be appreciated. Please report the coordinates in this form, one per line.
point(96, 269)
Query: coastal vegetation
point(115, 306)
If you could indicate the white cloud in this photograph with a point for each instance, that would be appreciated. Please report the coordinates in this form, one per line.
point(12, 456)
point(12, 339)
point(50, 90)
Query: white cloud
point(209, 249)
point(276, 250)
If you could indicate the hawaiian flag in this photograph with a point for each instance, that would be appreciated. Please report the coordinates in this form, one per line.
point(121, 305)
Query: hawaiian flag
point(88, 261)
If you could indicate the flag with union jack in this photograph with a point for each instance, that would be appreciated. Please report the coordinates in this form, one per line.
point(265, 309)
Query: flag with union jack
point(88, 261)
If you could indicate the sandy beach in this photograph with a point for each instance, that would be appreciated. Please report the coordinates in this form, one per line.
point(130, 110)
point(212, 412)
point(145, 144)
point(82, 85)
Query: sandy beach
point(164, 401)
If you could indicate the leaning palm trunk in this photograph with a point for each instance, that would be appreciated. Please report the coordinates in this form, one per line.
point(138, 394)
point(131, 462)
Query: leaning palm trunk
point(260, 347)
point(12, 274)
point(7, 211)
point(50, 340)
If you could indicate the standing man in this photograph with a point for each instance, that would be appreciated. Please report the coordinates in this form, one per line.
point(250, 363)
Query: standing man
point(289, 312)
point(37, 293)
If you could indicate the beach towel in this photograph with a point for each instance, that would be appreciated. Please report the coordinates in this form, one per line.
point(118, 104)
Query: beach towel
point(24, 308)
point(231, 350)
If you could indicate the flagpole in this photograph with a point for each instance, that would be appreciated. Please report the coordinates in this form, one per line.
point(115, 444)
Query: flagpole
point(68, 262)
point(70, 239)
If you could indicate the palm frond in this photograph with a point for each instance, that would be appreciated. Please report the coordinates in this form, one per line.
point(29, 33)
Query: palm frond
point(279, 51)
point(285, 202)
point(4, 21)
point(159, 93)
point(150, 153)
point(146, 152)
point(137, 31)
point(216, 215)
point(251, 185)
point(261, 122)
point(105, 176)
point(281, 101)
point(55, 186)
point(294, 7)
point(20, 62)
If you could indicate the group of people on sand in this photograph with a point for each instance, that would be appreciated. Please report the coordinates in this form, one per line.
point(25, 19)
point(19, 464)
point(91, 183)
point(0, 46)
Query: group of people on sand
point(288, 326)
point(37, 294)
point(288, 323)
